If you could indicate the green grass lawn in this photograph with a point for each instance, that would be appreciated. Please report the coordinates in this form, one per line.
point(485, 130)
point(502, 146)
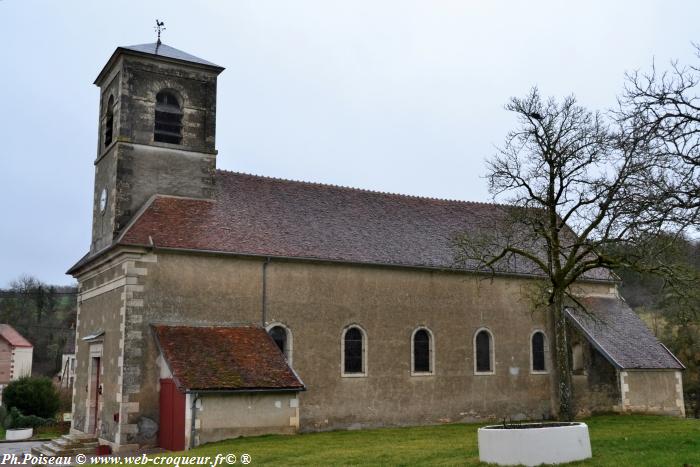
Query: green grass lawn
point(617, 440)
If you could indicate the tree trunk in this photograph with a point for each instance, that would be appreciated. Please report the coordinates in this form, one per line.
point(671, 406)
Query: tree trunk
point(563, 367)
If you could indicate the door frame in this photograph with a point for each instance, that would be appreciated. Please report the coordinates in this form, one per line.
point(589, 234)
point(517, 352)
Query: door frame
point(96, 370)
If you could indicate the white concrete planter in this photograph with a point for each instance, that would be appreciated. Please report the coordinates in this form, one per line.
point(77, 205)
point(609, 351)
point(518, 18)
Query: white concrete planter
point(534, 443)
point(18, 434)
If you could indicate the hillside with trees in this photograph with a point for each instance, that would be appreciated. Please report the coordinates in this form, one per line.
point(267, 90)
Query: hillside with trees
point(45, 314)
point(672, 313)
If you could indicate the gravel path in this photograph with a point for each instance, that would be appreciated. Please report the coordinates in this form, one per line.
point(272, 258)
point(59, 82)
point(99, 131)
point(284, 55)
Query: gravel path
point(19, 447)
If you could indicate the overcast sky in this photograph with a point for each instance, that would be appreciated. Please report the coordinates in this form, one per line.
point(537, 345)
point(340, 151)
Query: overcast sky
point(399, 96)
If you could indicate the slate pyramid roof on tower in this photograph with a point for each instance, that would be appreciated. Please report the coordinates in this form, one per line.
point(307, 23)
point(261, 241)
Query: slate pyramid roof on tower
point(163, 50)
point(157, 50)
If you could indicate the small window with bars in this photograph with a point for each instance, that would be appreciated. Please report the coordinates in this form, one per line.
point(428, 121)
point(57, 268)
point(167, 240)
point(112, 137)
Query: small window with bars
point(168, 121)
point(422, 352)
point(539, 363)
point(353, 352)
point(483, 349)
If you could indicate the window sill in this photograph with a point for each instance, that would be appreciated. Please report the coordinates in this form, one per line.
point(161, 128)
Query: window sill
point(484, 373)
point(106, 151)
point(353, 375)
point(422, 373)
point(163, 144)
point(533, 372)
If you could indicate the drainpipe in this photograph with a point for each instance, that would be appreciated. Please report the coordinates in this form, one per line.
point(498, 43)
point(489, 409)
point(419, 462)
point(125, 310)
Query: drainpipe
point(264, 290)
point(195, 397)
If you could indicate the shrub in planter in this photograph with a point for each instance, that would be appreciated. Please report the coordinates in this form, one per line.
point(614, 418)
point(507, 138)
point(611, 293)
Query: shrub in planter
point(15, 420)
point(32, 396)
point(7, 421)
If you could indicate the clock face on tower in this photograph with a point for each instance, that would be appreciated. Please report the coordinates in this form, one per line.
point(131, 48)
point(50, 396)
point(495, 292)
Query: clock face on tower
point(103, 200)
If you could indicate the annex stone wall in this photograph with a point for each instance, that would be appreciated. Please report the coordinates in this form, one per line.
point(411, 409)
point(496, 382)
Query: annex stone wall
point(225, 416)
point(652, 391)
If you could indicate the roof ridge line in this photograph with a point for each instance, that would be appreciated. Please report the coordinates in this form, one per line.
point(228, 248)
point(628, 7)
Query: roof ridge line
point(363, 190)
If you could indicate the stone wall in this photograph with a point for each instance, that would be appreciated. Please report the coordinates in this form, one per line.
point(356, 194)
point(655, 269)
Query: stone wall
point(316, 301)
point(98, 313)
point(108, 302)
point(225, 416)
point(653, 391)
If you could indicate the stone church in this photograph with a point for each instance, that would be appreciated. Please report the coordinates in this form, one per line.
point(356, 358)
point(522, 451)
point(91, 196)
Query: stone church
point(214, 304)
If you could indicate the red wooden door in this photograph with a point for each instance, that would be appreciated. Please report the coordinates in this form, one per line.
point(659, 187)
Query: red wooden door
point(171, 433)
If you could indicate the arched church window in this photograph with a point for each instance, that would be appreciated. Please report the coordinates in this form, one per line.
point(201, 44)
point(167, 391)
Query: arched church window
point(279, 335)
point(483, 352)
point(354, 348)
point(538, 350)
point(109, 121)
point(168, 122)
point(422, 351)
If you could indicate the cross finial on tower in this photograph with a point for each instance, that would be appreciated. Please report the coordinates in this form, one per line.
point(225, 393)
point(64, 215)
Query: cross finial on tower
point(159, 27)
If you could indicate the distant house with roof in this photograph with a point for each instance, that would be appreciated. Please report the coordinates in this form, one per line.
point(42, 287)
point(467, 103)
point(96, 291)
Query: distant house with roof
point(15, 355)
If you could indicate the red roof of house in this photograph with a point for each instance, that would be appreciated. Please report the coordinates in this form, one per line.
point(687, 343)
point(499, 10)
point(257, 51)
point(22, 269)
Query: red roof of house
point(241, 358)
point(11, 335)
point(262, 216)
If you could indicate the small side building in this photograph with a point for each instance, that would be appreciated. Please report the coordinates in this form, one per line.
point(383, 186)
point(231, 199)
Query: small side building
point(15, 355)
point(619, 364)
point(222, 382)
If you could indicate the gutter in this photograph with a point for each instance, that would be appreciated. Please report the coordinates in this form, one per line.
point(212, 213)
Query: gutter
point(243, 390)
point(268, 260)
point(683, 367)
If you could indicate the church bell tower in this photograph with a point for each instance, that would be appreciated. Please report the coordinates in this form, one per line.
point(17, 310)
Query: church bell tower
point(156, 133)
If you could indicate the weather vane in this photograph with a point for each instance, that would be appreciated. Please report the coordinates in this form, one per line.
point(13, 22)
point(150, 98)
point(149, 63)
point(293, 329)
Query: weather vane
point(159, 27)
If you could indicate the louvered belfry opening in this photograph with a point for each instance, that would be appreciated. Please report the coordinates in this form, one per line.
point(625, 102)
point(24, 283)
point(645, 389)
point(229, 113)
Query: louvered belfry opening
point(168, 126)
point(109, 121)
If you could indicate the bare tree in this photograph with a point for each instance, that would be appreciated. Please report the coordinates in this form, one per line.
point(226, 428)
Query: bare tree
point(665, 107)
point(576, 187)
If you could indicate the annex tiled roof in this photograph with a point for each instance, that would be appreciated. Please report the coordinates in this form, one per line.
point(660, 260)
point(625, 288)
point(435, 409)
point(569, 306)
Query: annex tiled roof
point(621, 336)
point(253, 215)
point(11, 335)
point(241, 359)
